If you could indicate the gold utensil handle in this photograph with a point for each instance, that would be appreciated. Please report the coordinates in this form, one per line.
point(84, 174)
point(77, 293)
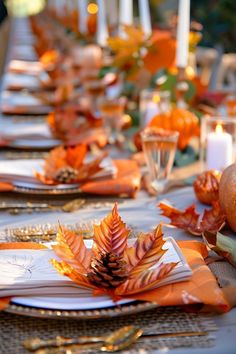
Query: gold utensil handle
point(34, 344)
point(178, 334)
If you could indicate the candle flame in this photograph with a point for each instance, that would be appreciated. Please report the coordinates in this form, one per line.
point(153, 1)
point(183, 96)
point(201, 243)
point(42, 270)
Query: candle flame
point(219, 129)
point(156, 98)
point(92, 8)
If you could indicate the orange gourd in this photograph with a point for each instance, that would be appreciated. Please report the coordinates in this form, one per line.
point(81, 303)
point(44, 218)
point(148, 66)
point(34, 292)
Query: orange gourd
point(181, 120)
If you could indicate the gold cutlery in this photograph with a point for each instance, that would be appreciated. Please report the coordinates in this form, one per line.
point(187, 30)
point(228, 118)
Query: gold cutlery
point(117, 337)
point(16, 208)
point(113, 339)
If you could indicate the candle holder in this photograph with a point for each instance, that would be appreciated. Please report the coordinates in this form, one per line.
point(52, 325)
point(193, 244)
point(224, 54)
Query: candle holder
point(217, 142)
point(151, 103)
point(181, 88)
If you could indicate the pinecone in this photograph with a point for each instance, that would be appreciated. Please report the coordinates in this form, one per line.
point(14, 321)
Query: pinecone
point(66, 174)
point(108, 271)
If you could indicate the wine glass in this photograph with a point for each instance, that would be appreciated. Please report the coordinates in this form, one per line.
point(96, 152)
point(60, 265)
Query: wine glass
point(159, 148)
point(112, 110)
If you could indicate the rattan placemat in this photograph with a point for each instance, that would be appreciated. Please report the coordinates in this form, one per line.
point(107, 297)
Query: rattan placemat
point(15, 329)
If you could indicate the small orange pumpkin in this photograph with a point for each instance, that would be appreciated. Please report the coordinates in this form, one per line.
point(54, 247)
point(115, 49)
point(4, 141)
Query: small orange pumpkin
point(206, 186)
point(180, 120)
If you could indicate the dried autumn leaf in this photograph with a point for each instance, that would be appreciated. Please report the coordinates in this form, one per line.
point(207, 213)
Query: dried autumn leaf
point(213, 219)
point(147, 280)
point(69, 161)
point(186, 220)
point(71, 249)
point(127, 49)
point(110, 267)
point(189, 220)
point(146, 252)
point(67, 270)
point(88, 170)
point(111, 235)
point(75, 155)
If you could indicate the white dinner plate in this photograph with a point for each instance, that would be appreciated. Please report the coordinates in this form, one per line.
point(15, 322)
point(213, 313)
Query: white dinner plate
point(71, 303)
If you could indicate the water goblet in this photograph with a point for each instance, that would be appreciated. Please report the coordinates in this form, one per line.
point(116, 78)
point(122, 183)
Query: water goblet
point(112, 110)
point(159, 148)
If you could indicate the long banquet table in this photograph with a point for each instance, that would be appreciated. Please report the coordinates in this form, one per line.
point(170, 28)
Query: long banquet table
point(142, 214)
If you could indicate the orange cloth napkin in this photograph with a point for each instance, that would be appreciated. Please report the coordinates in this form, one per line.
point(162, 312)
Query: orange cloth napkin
point(127, 182)
point(6, 187)
point(201, 288)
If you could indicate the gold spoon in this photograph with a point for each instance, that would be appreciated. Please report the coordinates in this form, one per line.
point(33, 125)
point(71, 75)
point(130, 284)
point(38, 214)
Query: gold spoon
point(114, 338)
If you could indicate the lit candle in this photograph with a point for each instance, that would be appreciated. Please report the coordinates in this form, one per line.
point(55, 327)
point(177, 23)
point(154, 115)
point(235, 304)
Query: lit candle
point(183, 33)
point(125, 14)
point(102, 31)
point(151, 111)
point(219, 151)
point(83, 14)
point(145, 17)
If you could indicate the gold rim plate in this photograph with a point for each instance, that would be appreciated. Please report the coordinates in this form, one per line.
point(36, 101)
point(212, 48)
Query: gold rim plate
point(121, 310)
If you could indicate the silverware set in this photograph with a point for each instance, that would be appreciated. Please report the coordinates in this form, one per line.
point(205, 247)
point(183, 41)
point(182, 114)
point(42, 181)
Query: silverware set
point(115, 341)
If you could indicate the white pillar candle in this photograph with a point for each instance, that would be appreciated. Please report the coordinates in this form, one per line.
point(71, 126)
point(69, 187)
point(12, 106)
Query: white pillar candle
point(219, 151)
point(125, 14)
point(102, 30)
point(145, 17)
point(83, 15)
point(183, 33)
point(151, 111)
point(112, 10)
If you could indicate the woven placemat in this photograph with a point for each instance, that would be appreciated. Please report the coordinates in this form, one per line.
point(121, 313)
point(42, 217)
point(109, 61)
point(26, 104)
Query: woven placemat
point(224, 272)
point(15, 329)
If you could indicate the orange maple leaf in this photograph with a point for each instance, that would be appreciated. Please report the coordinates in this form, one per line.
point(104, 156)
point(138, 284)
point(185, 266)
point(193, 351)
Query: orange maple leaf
point(189, 220)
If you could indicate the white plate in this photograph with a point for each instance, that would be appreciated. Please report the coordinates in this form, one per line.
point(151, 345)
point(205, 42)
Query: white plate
point(72, 303)
point(69, 303)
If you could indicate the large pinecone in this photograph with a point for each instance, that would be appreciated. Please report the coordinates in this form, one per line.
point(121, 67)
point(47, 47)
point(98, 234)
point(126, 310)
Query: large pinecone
point(108, 271)
point(66, 174)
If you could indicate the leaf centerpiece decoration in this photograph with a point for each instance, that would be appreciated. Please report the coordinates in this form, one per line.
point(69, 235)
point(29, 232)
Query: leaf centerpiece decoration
point(112, 267)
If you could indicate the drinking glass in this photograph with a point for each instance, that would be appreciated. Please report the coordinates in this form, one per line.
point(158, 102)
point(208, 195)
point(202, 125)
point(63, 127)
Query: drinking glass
point(159, 148)
point(112, 110)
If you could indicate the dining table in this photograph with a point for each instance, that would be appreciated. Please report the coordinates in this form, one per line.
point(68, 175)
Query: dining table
point(141, 213)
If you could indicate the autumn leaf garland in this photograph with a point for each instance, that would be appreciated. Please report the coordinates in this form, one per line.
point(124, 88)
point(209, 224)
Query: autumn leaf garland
point(111, 266)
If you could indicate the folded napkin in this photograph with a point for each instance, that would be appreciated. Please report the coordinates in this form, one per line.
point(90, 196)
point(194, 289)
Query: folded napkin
point(4, 302)
point(21, 173)
point(201, 288)
point(126, 183)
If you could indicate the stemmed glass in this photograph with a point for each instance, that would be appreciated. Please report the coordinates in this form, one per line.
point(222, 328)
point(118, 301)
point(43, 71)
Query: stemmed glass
point(159, 148)
point(112, 110)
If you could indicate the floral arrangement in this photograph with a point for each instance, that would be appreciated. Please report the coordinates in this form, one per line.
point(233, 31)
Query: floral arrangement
point(112, 267)
point(135, 52)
